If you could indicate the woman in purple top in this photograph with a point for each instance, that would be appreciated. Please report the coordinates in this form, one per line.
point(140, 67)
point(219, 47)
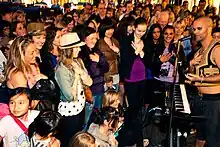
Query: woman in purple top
point(96, 65)
point(133, 68)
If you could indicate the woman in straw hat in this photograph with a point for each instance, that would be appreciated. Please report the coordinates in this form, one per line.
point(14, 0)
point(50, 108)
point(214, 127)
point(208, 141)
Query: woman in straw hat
point(71, 75)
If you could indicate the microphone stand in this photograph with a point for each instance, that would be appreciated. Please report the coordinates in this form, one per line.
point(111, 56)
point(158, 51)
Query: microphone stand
point(175, 72)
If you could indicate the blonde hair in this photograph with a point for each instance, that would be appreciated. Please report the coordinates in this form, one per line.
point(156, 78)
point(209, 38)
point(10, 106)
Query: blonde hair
point(16, 56)
point(109, 98)
point(82, 139)
point(179, 21)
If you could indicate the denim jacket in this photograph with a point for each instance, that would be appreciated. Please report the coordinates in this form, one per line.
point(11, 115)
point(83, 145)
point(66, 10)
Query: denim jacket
point(66, 78)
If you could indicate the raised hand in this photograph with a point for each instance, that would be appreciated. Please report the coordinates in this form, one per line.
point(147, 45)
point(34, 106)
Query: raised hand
point(165, 57)
point(113, 140)
point(94, 57)
point(196, 60)
point(114, 48)
point(138, 47)
point(77, 68)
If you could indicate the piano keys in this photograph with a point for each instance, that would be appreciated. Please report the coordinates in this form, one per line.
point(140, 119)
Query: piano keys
point(181, 103)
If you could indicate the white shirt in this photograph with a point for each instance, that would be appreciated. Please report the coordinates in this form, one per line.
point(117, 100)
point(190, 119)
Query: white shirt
point(12, 134)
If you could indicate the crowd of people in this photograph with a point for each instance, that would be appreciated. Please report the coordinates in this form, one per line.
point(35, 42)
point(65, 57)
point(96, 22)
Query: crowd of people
point(76, 78)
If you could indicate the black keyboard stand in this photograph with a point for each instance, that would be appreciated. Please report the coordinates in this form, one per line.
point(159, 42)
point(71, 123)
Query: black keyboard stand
point(171, 131)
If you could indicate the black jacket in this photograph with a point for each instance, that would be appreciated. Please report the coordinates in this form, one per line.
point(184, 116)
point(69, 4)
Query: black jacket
point(128, 56)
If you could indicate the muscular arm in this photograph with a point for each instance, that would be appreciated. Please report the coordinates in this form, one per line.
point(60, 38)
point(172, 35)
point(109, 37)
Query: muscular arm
point(216, 56)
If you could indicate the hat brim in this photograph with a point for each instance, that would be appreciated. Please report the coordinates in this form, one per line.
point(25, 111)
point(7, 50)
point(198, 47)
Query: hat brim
point(37, 33)
point(72, 46)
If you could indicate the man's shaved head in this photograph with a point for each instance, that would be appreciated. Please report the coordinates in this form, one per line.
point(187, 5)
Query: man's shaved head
point(202, 28)
point(207, 21)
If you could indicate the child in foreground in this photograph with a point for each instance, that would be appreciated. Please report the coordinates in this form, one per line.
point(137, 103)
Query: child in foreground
point(14, 127)
point(44, 128)
point(82, 139)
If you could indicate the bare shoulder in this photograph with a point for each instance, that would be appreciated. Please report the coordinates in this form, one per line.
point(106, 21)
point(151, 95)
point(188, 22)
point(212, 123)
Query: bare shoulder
point(216, 52)
point(18, 79)
point(216, 55)
point(18, 75)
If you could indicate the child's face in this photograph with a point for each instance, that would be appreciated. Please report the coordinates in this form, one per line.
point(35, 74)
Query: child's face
point(19, 105)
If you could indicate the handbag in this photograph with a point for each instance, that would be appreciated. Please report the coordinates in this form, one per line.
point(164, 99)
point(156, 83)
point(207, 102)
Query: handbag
point(88, 94)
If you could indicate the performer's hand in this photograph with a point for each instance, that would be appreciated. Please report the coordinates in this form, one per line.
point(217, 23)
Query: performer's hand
point(193, 77)
point(196, 60)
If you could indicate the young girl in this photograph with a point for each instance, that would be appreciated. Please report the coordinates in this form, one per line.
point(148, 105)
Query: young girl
point(111, 98)
point(104, 122)
point(13, 127)
point(41, 132)
point(82, 139)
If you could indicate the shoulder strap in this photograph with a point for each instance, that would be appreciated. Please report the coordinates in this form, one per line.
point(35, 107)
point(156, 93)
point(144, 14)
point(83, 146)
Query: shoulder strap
point(20, 124)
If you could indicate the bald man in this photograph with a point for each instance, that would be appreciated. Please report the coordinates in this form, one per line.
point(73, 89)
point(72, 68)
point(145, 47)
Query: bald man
point(163, 18)
point(205, 75)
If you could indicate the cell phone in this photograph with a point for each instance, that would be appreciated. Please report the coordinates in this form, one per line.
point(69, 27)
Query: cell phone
point(117, 131)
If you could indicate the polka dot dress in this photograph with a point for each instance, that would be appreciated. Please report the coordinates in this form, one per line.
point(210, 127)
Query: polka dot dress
point(73, 107)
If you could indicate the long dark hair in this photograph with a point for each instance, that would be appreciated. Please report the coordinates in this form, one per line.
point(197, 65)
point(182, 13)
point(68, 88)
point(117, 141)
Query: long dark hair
point(51, 34)
point(171, 46)
point(106, 113)
point(45, 123)
point(13, 28)
point(151, 30)
point(140, 21)
point(107, 24)
point(88, 31)
point(121, 30)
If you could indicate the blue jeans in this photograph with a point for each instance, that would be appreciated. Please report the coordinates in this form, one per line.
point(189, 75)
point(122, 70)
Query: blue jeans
point(97, 100)
point(97, 103)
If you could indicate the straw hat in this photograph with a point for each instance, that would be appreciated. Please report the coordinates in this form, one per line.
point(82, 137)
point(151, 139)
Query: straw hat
point(35, 28)
point(70, 40)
